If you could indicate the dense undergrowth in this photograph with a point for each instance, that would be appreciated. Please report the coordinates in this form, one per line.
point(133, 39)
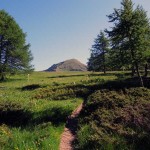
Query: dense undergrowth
point(116, 120)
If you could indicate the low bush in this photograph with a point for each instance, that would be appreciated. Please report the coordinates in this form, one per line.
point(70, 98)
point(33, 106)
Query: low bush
point(61, 93)
point(117, 120)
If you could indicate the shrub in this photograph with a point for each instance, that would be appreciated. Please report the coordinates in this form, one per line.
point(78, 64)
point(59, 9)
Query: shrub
point(61, 93)
point(118, 119)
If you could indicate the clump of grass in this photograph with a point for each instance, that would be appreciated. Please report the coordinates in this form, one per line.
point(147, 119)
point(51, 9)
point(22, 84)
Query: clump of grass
point(44, 136)
point(5, 136)
point(117, 120)
point(84, 136)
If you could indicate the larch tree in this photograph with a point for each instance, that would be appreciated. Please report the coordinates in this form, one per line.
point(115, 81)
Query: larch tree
point(99, 50)
point(14, 52)
point(130, 35)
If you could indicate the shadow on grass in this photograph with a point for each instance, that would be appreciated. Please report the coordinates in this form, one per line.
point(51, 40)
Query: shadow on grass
point(13, 114)
point(56, 116)
point(85, 88)
point(88, 75)
point(66, 76)
point(109, 85)
point(11, 80)
point(126, 83)
point(31, 87)
point(110, 74)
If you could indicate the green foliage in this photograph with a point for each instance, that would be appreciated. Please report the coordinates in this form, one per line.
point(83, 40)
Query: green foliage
point(129, 36)
point(14, 52)
point(98, 59)
point(128, 44)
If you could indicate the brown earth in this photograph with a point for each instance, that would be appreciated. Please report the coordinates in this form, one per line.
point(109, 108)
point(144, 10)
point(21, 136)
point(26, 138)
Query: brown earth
point(69, 134)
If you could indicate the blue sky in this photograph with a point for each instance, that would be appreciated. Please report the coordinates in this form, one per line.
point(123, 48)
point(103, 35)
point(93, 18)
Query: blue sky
point(62, 29)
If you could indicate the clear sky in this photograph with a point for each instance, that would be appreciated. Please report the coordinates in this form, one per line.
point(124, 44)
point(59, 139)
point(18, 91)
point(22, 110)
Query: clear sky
point(62, 29)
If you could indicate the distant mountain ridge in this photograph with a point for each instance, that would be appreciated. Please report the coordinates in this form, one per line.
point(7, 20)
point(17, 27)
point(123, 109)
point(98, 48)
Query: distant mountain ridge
point(68, 65)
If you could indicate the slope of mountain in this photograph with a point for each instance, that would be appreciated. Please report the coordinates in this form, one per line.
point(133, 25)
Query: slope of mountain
point(68, 65)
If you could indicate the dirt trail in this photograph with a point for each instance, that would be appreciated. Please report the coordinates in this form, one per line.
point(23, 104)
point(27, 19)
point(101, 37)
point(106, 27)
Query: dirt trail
point(69, 134)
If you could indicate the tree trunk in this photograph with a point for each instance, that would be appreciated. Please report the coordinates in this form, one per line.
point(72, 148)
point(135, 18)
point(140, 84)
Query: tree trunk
point(104, 62)
point(3, 77)
point(133, 71)
point(104, 70)
point(146, 70)
point(139, 76)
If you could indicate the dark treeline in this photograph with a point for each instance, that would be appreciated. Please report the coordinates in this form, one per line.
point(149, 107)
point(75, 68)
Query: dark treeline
point(126, 45)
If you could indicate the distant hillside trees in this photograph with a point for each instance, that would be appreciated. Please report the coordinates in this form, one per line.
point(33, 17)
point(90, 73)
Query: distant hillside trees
point(129, 38)
point(14, 52)
point(99, 50)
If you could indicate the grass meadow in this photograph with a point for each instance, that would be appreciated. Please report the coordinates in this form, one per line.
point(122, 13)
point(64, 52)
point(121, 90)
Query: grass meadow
point(34, 108)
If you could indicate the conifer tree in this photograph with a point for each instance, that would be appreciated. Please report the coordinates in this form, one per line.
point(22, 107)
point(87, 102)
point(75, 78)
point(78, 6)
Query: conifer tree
point(130, 35)
point(97, 61)
point(14, 52)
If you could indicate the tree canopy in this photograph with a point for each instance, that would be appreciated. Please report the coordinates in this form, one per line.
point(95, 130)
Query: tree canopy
point(129, 38)
point(14, 52)
point(99, 50)
point(130, 34)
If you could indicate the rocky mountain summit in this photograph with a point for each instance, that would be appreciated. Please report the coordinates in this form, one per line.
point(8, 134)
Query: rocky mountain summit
point(68, 65)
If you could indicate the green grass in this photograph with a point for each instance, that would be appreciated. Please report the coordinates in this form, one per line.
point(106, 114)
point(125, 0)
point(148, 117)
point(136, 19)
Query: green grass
point(41, 119)
point(33, 111)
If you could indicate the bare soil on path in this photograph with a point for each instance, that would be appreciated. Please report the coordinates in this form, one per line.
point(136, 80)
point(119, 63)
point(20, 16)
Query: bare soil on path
point(69, 134)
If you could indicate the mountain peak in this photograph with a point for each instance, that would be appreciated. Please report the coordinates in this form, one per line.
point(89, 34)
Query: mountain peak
point(68, 65)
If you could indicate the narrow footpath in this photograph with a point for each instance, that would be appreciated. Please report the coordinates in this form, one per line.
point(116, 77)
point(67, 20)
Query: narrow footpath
point(69, 134)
